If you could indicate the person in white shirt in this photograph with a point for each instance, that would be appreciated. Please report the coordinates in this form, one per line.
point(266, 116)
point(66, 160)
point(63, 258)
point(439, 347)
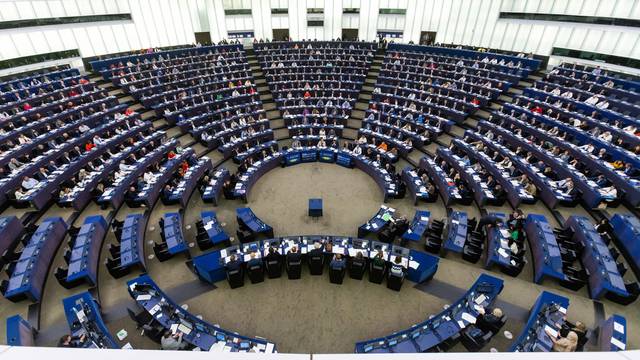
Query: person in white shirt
point(124, 167)
point(592, 100)
point(357, 150)
point(29, 183)
point(606, 136)
point(567, 94)
point(148, 176)
point(602, 105)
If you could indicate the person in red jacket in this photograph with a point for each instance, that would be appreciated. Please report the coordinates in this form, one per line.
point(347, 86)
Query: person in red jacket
point(89, 146)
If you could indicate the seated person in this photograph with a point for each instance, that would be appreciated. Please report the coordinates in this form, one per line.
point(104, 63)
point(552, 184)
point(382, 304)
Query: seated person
point(316, 251)
point(579, 328)
point(171, 341)
point(254, 260)
point(396, 268)
point(338, 262)
point(233, 264)
point(272, 255)
point(378, 260)
point(29, 183)
point(564, 344)
point(293, 255)
point(72, 341)
point(489, 320)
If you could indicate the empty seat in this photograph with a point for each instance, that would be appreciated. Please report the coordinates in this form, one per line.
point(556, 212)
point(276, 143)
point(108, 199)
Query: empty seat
point(274, 269)
point(316, 264)
point(294, 269)
point(256, 273)
point(376, 273)
point(357, 268)
point(235, 278)
point(336, 275)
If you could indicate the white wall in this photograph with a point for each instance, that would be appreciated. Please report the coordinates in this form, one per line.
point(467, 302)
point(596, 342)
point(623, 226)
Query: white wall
point(469, 22)
point(173, 22)
point(155, 23)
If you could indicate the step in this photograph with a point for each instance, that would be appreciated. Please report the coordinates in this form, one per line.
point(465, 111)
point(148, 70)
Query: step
point(186, 140)
point(506, 98)
point(354, 123)
point(365, 96)
point(357, 114)
point(361, 106)
point(350, 133)
point(276, 123)
point(281, 133)
point(107, 86)
point(260, 81)
point(136, 107)
point(273, 114)
point(160, 123)
point(269, 106)
point(126, 99)
point(266, 97)
point(471, 122)
point(370, 81)
point(415, 156)
point(515, 91)
point(495, 106)
point(115, 92)
point(262, 89)
point(174, 132)
point(215, 156)
point(199, 149)
point(482, 114)
point(368, 88)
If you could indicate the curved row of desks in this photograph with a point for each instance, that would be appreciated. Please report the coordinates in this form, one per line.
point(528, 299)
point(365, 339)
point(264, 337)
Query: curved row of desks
point(311, 154)
point(84, 319)
point(546, 314)
point(441, 327)
point(85, 252)
point(420, 266)
point(30, 271)
point(197, 332)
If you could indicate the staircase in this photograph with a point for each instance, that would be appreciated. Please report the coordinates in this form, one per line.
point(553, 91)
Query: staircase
point(471, 122)
point(276, 122)
point(159, 123)
point(354, 123)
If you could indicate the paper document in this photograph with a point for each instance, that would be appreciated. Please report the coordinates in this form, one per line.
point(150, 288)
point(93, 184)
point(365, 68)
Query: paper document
point(619, 344)
point(414, 264)
point(480, 299)
point(468, 318)
point(549, 330)
point(143, 297)
point(618, 327)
